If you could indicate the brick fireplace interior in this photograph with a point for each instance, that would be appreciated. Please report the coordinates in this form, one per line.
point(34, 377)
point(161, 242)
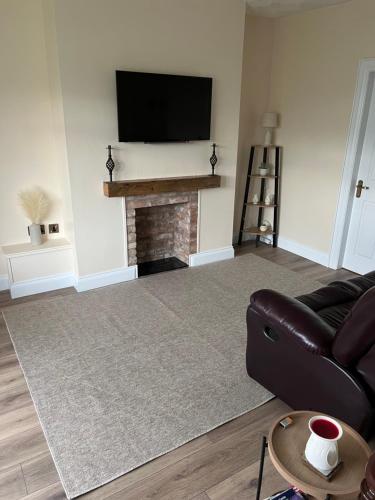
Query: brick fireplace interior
point(161, 230)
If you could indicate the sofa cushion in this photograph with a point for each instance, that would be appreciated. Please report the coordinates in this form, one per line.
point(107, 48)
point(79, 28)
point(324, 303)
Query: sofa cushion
point(334, 302)
point(334, 294)
point(364, 282)
point(334, 316)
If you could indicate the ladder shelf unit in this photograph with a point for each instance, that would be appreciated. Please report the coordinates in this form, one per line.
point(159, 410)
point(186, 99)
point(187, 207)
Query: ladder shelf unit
point(262, 205)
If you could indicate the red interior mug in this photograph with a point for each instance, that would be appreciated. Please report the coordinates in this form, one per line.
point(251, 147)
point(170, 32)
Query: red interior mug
point(324, 428)
point(321, 449)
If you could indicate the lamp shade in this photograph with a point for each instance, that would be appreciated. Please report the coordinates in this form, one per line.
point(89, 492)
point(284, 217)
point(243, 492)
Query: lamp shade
point(269, 120)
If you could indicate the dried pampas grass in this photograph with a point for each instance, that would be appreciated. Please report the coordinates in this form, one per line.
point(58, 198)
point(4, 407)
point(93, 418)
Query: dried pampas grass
point(35, 204)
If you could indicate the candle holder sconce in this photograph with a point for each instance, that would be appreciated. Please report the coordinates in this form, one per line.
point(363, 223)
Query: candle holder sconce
point(213, 159)
point(110, 164)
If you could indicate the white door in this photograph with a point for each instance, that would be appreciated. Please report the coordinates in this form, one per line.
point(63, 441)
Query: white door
point(360, 246)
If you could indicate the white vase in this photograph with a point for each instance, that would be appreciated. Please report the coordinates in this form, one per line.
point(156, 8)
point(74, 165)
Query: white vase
point(321, 452)
point(263, 171)
point(268, 199)
point(35, 234)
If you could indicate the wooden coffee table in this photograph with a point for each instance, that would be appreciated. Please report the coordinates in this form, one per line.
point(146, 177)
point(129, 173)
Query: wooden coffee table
point(286, 447)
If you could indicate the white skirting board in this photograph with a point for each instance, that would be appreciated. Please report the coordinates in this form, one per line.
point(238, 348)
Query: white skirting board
point(39, 285)
point(303, 251)
point(4, 282)
point(293, 247)
point(113, 277)
point(97, 280)
point(198, 259)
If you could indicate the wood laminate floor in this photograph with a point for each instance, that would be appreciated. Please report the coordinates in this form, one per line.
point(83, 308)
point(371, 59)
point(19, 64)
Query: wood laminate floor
point(220, 465)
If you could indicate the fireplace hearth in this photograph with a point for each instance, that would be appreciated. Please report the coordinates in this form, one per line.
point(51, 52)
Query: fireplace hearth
point(160, 266)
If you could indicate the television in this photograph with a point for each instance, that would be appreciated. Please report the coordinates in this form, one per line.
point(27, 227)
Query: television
point(154, 107)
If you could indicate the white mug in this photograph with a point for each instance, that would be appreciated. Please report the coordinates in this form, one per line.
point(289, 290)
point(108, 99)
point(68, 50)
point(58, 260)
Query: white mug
point(321, 449)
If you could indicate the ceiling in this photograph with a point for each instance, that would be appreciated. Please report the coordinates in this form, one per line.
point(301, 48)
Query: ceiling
point(278, 8)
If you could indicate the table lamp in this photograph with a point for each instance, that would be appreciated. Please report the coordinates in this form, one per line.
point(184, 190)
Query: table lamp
point(269, 122)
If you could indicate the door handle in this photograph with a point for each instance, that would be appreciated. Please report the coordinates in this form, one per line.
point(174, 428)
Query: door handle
point(359, 188)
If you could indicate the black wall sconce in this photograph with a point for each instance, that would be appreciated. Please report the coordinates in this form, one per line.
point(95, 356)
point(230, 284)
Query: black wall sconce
point(110, 164)
point(213, 159)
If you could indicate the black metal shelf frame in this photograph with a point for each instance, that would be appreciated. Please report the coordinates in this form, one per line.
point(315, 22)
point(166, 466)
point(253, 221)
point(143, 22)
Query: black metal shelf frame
point(263, 181)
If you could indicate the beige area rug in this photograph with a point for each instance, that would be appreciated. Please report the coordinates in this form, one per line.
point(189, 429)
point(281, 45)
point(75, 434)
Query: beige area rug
point(123, 374)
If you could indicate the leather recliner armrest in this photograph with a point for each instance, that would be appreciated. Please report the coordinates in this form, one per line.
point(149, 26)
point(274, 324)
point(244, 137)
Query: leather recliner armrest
point(290, 317)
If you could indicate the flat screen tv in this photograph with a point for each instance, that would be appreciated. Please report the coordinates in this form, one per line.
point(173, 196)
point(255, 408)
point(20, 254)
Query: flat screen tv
point(163, 108)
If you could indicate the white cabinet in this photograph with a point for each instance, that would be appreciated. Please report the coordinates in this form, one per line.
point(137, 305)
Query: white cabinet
point(39, 269)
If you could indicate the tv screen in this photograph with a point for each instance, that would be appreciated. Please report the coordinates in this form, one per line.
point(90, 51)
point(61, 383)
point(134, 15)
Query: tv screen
point(163, 108)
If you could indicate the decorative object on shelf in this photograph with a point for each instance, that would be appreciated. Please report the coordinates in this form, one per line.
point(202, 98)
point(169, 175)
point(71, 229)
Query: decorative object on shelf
point(268, 199)
point(35, 234)
point(321, 449)
point(269, 122)
point(213, 158)
point(255, 199)
point(266, 184)
point(110, 164)
point(265, 226)
point(264, 169)
point(35, 204)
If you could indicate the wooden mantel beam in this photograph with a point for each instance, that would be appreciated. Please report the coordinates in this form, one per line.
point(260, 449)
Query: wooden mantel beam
point(138, 187)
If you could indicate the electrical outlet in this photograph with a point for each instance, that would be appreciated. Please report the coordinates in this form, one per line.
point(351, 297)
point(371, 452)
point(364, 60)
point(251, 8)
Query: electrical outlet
point(53, 228)
point(42, 229)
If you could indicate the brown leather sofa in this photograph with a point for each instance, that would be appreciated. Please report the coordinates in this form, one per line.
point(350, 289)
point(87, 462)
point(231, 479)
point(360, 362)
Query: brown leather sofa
point(317, 351)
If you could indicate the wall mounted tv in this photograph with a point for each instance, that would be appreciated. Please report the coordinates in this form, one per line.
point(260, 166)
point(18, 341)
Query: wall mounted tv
point(155, 107)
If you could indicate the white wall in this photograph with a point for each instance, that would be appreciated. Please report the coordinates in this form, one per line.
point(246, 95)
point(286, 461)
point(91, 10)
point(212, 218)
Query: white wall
point(28, 153)
point(96, 37)
point(305, 67)
point(255, 89)
point(314, 74)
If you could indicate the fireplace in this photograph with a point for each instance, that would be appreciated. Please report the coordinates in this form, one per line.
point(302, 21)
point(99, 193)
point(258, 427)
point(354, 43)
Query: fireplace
point(161, 230)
